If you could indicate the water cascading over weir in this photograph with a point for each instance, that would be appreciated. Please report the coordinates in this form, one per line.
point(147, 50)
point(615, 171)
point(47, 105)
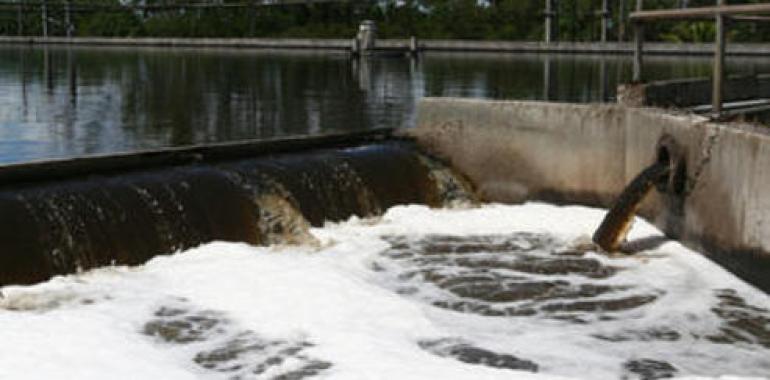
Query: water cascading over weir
point(61, 217)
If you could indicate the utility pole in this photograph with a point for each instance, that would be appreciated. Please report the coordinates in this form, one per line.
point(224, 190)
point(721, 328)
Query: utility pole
point(621, 20)
point(605, 20)
point(573, 32)
point(719, 62)
point(44, 15)
point(550, 14)
point(638, 41)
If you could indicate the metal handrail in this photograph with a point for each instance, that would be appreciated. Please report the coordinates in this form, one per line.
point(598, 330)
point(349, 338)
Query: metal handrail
point(700, 12)
point(719, 13)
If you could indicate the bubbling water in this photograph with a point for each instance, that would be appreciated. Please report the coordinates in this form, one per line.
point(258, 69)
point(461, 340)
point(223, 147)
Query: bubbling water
point(476, 292)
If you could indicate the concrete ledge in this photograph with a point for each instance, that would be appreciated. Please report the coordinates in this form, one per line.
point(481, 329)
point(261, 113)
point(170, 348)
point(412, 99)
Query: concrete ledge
point(61, 169)
point(568, 153)
point(756, 49)
point(287, 43)
point(591, 47)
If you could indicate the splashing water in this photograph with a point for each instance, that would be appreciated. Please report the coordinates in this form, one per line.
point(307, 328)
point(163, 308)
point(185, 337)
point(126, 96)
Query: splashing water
point(488, 292)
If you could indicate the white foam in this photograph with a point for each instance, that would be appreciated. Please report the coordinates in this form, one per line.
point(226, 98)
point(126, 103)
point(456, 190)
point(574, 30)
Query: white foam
point(89, 326)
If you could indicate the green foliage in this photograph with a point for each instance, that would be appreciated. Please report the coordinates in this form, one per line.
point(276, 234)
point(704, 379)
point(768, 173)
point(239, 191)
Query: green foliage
point(690, 32)
point(578, 20)
point(110, 25)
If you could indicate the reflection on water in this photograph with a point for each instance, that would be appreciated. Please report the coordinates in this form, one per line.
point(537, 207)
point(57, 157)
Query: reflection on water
point(63, 102)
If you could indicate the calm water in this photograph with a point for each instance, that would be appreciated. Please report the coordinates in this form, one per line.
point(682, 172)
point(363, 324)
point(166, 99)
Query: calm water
point(64, 102)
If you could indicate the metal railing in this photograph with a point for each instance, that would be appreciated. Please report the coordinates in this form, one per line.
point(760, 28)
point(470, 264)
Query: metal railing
point(721, 14)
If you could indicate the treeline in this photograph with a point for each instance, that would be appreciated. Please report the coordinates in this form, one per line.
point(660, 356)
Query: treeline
point(578, 20)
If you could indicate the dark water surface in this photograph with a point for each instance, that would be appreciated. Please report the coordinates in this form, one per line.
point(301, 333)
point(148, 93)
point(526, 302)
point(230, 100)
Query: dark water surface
point(60, 102)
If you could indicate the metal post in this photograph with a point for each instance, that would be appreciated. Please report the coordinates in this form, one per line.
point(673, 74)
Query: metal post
point(72, 80)
point(605, 20)
point(603, 82)
point(355, 47)
point(547, 78)
point(44, 15)
point(719, 63)
point(364, 73)
point(413, 46)
point(367, 36)
point(48, 71)
point(638, 42)
point(23, 75)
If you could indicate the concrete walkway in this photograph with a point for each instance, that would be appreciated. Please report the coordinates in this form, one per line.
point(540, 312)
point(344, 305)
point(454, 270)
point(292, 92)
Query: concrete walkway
point(753, 49)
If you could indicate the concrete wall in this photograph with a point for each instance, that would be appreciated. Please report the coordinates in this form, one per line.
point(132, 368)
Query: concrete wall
point(567, 153)
point(754, 49)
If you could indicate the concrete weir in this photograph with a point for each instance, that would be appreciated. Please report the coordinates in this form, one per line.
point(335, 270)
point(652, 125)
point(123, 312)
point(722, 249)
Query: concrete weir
point(713, 200)
point(59, 217)
point(63, 216)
